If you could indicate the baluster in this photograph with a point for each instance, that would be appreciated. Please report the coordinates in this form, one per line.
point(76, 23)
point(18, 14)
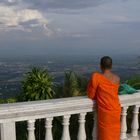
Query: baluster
point(123, 123)
point(31, 128)
point(94, 134)
point(8, 131)
point(65, 134)
point(135, 122)
point(82, 133)
point(48, 127)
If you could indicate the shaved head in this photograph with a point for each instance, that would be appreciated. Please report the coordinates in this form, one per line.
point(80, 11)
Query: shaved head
point(106, 62)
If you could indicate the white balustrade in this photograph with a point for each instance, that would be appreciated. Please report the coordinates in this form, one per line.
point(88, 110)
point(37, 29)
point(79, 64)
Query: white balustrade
point(31, 128)
point(82, 133)
point(123, 123)
point(135, 123)
point(48, 126)
point(48, 109)
point(65, 134)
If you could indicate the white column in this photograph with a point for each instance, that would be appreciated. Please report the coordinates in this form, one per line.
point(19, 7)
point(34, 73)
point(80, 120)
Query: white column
point(94, 134)
point(65, 134)
point(82, 133)
point(48, 126)
point(8, 131)
point(31, 128)
point(123, 123)
point(135, 122)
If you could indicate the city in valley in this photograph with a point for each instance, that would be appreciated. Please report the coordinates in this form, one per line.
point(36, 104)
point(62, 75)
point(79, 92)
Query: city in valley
point(13, 69)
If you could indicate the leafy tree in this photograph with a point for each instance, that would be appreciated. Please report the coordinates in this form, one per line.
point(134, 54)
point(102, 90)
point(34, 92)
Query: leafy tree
point(70, 87)
point(82, 84)
point(9, 100)
point(74, 85)
point(134, 81)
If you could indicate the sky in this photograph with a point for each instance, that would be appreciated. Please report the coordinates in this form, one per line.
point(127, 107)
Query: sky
point(56, 27)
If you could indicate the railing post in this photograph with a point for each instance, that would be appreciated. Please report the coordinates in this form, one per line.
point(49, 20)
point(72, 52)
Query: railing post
point(135, 122)
point(31, 128)
point(48, 126)
point(65, 134)
point(94, 134)
point(123, 123)
point(8, 131)
point(82, 133)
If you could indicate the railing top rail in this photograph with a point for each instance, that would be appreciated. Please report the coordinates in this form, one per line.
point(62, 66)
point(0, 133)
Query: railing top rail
point(130, 99)
point(45, 108)
point(55, 107)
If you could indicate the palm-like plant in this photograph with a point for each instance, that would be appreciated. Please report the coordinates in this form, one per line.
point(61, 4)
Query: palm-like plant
point(37, 85)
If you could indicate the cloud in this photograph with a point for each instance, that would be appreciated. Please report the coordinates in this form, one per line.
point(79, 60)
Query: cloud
point(65, 18)
point(68, 4)
point(19, 16)
point(117, 19)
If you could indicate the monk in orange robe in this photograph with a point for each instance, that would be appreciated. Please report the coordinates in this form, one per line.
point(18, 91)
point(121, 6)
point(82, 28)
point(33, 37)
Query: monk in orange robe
point(103, 87)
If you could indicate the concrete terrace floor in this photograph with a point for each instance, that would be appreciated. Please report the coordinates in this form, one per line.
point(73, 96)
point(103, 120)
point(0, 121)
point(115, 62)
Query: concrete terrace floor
point(133, 138)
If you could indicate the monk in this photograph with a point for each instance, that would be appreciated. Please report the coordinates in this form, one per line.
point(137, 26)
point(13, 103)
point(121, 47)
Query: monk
point(103, 87)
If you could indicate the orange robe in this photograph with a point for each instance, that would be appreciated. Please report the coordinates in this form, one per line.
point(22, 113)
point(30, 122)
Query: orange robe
point(105, 93)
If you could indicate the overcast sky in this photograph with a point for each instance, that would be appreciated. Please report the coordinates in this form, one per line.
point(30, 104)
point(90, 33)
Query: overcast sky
point(69, 27)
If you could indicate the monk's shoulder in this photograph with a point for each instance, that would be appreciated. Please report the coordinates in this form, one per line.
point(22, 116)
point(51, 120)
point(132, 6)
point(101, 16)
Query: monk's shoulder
point(117, 78)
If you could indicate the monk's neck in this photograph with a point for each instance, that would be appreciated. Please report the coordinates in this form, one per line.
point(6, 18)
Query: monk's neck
point(106, 72)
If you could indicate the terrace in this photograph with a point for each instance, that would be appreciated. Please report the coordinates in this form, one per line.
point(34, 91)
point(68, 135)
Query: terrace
point(65, 107)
